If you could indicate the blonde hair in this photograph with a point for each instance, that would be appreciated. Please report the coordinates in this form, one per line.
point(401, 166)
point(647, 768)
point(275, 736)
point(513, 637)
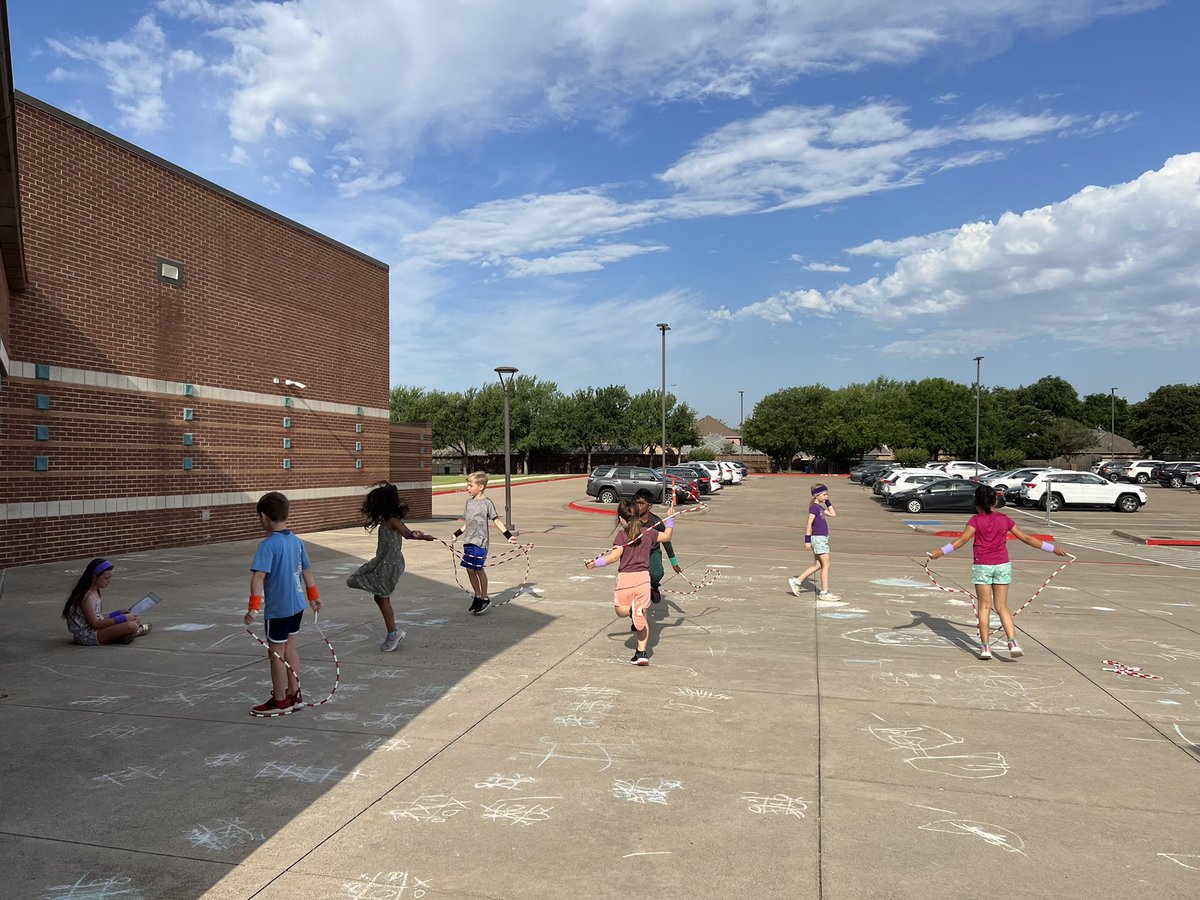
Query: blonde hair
point(479, 478)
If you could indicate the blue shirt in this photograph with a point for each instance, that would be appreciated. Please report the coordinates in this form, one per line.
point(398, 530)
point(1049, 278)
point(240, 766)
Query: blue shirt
point(282, 557)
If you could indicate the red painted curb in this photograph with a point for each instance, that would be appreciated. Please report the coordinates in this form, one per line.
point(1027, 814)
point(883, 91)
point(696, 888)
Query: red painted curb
point(600, 512)
point(462, 490)
point(796, 475)
point(1165, 542)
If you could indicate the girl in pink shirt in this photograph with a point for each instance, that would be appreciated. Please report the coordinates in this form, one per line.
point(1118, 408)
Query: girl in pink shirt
point(992, 571)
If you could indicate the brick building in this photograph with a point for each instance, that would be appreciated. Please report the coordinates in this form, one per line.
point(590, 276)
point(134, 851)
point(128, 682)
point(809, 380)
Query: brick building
point(169, 351)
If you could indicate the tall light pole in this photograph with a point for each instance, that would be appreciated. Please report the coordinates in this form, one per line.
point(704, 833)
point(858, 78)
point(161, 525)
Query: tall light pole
point(741, 425)
point(1112, 431)
point(978, 360)
point(506, 385)
point(664, 328)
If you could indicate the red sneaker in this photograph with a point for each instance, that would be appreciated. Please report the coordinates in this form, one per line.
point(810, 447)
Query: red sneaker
point(296, 699)
point(272, 705)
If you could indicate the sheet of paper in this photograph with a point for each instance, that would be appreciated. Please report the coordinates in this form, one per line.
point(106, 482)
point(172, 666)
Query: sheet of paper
point(146, 603)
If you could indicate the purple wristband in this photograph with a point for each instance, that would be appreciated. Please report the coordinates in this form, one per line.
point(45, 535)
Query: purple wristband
point(1047, 546)
point(600, 562)
point(947, 550)
point(669, 521)
point(118, 617)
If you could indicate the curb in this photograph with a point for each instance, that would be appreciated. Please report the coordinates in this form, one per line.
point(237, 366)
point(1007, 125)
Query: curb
point(574, 504)
point(1153, 541)
point(459, 490)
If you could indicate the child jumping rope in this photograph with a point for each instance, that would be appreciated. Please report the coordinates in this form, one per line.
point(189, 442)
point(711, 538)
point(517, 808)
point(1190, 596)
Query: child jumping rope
point(992, 571)
point(283, 575)
point(478, 513)
point(632, 547)
point(383, 510)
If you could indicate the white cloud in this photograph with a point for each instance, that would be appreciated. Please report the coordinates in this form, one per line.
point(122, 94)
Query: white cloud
point(395, 73)
point(1072, 270)
point(134, 68)
point(826, 267)
point(238, 155)
point(784, 158)
point(301, 165)
point(590, 259)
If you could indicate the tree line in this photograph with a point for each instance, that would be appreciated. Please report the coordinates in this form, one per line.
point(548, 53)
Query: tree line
point(936, 416)
point(544, 419)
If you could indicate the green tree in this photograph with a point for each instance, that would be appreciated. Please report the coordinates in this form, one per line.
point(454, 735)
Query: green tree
point(681, 426)
point(1059, 437)
point(596, 417)
point(453, 423)
point(701, 452)
point(1055, 395)
point(855, 419)
point(1167, 423)
point(786, 422)
point(942, 416)
point(1097, 412)
point(1007, 458)
point(643, 420)
point(911, 457)
point(409, 404)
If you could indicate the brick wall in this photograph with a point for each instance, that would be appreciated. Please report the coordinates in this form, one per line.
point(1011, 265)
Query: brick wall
point(411, 446)
point(104, 353)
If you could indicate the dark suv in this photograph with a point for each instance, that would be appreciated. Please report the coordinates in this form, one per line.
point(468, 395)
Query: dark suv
point(871, 468)
point(1174, 474)
point(608, 484)
point(702, 477)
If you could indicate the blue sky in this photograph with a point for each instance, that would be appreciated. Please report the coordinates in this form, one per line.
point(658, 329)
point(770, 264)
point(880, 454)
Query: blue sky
point(806, 190)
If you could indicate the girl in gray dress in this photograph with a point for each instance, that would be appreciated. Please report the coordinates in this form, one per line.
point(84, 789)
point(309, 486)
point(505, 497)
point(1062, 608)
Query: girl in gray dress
point(383, 510)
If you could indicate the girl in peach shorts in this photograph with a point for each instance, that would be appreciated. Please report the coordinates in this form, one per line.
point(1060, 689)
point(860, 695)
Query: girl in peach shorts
point(632, 548)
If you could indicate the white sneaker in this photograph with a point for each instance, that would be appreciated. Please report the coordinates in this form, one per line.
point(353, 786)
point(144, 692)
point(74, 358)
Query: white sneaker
point(794, 585)
point(828, 595)
point(392, 641)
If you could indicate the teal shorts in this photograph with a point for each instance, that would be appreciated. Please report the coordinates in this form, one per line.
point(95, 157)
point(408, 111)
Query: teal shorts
point(1001, 574)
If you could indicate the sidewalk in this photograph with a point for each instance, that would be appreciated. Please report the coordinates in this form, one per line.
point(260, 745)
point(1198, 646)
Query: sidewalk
point(775, 747)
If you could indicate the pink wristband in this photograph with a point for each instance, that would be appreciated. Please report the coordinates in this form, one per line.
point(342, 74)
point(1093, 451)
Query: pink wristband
point(600, 562)
point(947, 550)
point(1047, 546)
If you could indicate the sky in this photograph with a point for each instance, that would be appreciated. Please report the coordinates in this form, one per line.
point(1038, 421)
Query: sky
point(806, 191)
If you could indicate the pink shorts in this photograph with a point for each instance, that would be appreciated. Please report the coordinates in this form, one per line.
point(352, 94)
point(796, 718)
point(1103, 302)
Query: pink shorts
point(633, 591)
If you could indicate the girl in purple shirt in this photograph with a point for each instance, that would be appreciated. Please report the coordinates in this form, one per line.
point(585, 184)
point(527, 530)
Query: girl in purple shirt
point(992, 571)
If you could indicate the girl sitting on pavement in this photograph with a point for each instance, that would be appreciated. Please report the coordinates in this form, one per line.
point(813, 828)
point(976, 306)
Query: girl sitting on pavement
point(91, 627)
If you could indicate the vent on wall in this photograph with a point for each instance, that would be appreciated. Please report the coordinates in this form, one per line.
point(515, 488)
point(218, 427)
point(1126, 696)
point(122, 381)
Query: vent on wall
point(170, 271)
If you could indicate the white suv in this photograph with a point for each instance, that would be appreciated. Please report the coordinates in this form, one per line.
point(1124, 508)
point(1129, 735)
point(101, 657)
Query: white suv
point(1138, 471)
point(1080, 489)
point(959, 468)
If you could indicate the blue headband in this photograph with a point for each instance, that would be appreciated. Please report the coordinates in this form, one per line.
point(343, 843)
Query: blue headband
point(101, 568)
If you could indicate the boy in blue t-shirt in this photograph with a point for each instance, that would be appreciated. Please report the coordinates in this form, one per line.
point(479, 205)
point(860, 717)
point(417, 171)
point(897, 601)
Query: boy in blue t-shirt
point(282, 576)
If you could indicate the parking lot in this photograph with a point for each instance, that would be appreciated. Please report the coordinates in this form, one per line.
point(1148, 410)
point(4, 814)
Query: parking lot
point(776, 746)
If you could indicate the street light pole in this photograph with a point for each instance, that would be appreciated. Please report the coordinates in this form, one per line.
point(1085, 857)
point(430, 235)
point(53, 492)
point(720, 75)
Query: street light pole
point(741, 426)
point(506, 385)
point(664, 328)
point(1112, 431)
point(978, 360)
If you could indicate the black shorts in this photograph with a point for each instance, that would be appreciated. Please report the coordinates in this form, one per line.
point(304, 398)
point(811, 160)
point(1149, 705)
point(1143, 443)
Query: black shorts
point(279, 630)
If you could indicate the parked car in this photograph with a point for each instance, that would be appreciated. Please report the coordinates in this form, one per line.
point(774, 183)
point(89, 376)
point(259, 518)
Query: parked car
point(909, 480)
point(1136, 472)
point(960, 468)
point(1193, 479)
point(608, 484)
point(692, 473)
point(1009, 483)
point(1107, 469)
point(719, 478)
point(1080, 489)
point(935, 466)
point(1103, 464)
point(943, 494)
point(872, 465)
point(1176, 473)
point(686, 488)
point(729, 469)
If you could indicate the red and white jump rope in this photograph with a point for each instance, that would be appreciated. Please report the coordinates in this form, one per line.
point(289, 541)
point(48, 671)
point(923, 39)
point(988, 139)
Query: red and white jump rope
point(710, 575)
point(974, 600)
point(515, 552)
point(337, 675)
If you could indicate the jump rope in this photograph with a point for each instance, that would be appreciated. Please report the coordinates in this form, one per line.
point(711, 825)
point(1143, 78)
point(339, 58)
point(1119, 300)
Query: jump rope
point(974, 600)
point(337, 675)
point(710, 575)
point(520, 550)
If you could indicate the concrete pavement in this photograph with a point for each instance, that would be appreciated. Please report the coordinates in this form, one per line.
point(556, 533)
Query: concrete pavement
point(775, 747)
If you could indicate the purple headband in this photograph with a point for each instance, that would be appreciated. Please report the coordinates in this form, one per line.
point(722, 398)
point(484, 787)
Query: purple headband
point(101, 568)
point(817, 488)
